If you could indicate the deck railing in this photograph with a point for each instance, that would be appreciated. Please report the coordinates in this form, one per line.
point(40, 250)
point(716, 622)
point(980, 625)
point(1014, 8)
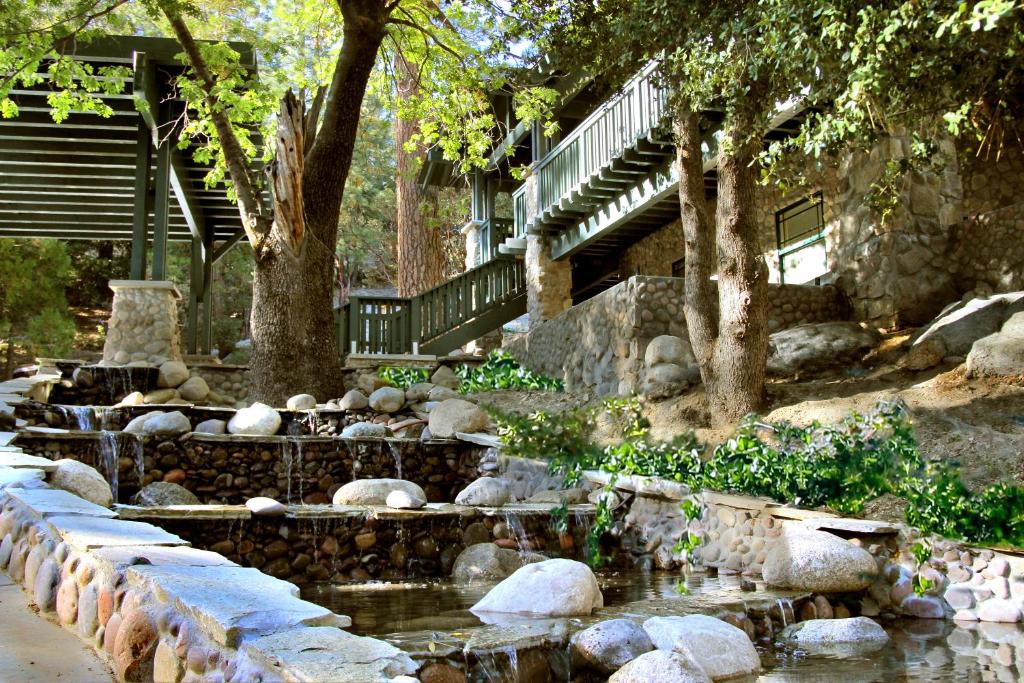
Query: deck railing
point(632, 114)
point(440, 319)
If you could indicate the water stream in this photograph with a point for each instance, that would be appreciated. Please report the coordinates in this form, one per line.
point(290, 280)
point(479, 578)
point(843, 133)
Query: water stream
point(396, 453)
point(82, 417)
point(108, 459)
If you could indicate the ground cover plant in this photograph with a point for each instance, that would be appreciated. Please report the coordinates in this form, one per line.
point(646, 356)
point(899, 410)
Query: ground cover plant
point(840, 467)
point(500, 372)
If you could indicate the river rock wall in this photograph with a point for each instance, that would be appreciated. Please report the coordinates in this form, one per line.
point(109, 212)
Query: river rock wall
point(599, 345)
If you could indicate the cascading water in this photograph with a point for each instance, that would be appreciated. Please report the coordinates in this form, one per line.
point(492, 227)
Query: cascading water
point(286, 455)
point(108, 459)
point(396, 453)
point(297, 444)
point(83, 417)
point(518, 531)
point(499, 665)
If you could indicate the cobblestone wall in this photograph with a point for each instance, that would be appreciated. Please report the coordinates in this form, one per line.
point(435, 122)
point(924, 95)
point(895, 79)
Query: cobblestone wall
point(599, 344)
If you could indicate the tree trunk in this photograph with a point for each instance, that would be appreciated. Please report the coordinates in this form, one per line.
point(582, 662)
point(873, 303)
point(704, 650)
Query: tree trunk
point(420, 251)
point(728, 332)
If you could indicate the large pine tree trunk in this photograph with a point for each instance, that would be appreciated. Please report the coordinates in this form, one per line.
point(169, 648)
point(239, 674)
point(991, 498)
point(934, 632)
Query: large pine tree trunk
point(420, 251)
point(728, 332)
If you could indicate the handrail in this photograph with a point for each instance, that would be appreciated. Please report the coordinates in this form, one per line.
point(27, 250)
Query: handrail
point(438, 317)
point(630, 115)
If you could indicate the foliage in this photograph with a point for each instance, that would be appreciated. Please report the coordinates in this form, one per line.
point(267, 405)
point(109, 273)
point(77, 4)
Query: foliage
point(403, 378)
point(502, 372)
point(840, 466)
point(33, 308)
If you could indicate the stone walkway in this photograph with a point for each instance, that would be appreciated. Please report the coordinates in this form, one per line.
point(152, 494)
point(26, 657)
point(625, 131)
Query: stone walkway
point(37, 651)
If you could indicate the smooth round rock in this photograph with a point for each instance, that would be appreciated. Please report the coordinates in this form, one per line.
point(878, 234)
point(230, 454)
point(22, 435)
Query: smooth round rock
point(404, 500)
point(194, 389)
point(484, 492)
point(301, 402)
point(483, 562)
point(261, 506)
point(387, 400)
point(83, 481)
point(374, 491)
point(660, 666)
point(553, 588)
point(721, 650)
point(810, 560)
point(172, 374)
point(258, 419)
point(610, 645)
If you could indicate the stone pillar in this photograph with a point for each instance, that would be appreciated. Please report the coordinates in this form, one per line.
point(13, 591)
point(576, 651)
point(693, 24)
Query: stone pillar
point(548, 282)
point(143, 328)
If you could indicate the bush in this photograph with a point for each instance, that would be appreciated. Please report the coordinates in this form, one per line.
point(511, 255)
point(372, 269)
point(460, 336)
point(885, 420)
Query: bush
point(499, 372)
point(403, 378)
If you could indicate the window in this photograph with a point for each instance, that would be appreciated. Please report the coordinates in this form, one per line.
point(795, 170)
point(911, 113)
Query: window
point(800, 229)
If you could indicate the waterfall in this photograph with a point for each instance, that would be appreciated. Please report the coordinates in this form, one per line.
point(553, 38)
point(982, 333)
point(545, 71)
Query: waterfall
point(298, 461)
point(83, 417)
point(286, 455)
point(499, 665)
point(108, 457)
point(396, 453)
point(312, 422)
point(518, 532)
point(784, 604)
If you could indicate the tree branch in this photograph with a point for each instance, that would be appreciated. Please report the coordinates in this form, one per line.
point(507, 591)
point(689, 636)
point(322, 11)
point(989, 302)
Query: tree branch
point(428, 33)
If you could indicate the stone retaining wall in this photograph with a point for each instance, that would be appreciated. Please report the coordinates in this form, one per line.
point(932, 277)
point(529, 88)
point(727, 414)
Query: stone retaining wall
point(156, 609)
point(345, 544)
point(229, 381)
point(232, 469)
point(599, 344)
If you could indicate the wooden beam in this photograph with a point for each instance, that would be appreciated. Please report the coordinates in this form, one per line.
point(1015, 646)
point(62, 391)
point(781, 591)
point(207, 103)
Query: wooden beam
point(142, 200)
point(225, 247)
point(161, 210)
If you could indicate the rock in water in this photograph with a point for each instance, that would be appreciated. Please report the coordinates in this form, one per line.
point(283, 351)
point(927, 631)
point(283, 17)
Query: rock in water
point(374, 491)
point(161, 493)
point(167, 424)
point(387, 400)
point(660, 666)
point(365, 430)
point(301, 402)
point(172, 373)
point(610, 645)
point(456, 415)
point(484, 492)
point(403, 500)
point(721, 650)
point(261, 506)
point(487, 562)
point(83, 481)
point(257, 420)
point(553, 588)
point(353, 400)
point(853, 635)
point(803, 559)
point(194, 389)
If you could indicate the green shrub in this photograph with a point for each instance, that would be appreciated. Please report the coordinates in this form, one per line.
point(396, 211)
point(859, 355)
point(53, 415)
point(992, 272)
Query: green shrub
point(502, 372)
point(403, 378)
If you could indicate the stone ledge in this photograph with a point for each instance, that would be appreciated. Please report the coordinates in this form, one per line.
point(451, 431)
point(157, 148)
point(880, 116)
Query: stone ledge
point(649, 487)
point(86, 533)
point(46, 502)
point(144, 284)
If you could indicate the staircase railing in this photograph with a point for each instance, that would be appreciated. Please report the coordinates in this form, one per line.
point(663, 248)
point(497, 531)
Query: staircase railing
point(439, 320)
point(632, 114)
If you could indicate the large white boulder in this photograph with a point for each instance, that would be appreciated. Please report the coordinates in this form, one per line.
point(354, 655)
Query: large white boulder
point(138, 423)
point(301, 402)
point(172, 374)
point(660, 666)
point(485, 562)
point(400, 499)
point(721, 650)
point(387, 400)
point(444, 376)
point(485, 492)
point(83, 481)
point(194, 389)
point(167, 423)
point(365, 430)
point(211, 426)
point(258, 419)
point(553, 588)
point(818, 346)
point(456, 415)
point(374, 491)
point(1001, 353)
point(163, 493)
point(852, 635)
point(805, 559)
point(353, 400)
point(609, 645)
point(954, 331)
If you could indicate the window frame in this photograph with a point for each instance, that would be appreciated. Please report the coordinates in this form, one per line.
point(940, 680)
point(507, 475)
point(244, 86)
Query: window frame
point(815, 201)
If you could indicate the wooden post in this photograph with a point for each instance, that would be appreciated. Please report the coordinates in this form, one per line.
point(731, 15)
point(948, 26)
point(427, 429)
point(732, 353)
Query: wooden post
point(355, 321)
point(206, 322)
point(195, 296)
point(161, 210)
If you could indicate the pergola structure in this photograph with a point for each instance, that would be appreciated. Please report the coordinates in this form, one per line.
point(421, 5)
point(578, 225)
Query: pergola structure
point(122, 177)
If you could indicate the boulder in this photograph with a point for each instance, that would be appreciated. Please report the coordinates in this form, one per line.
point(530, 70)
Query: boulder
point(954, 331)
point(855, 634)
point(403, 500)
point(374, 491)
point(167, 423)
point(669, 349)
point(721, 650)
point(387, 400)
point(83, 481)
point(418, 392)
point(258, 419)
point(456, 415)
point(818, 346)
point(552, 588)
point(609, 645)
point(161, 396)
point(211, 427)
point(666, 380)
point(136, 398)
point(805, 559)
point(575, 496)
point(261, 506)
point(301, 402)
point(365, 430)
point(660, 666)
point(369, 382)
point(194, 389)
point(438, 394)
point(1000, 353)
point(137, 424)
point(487, 562)
point(172, 374)
point(444, 376)
point(161, 493)
point(353, 400)
point(485, 492)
